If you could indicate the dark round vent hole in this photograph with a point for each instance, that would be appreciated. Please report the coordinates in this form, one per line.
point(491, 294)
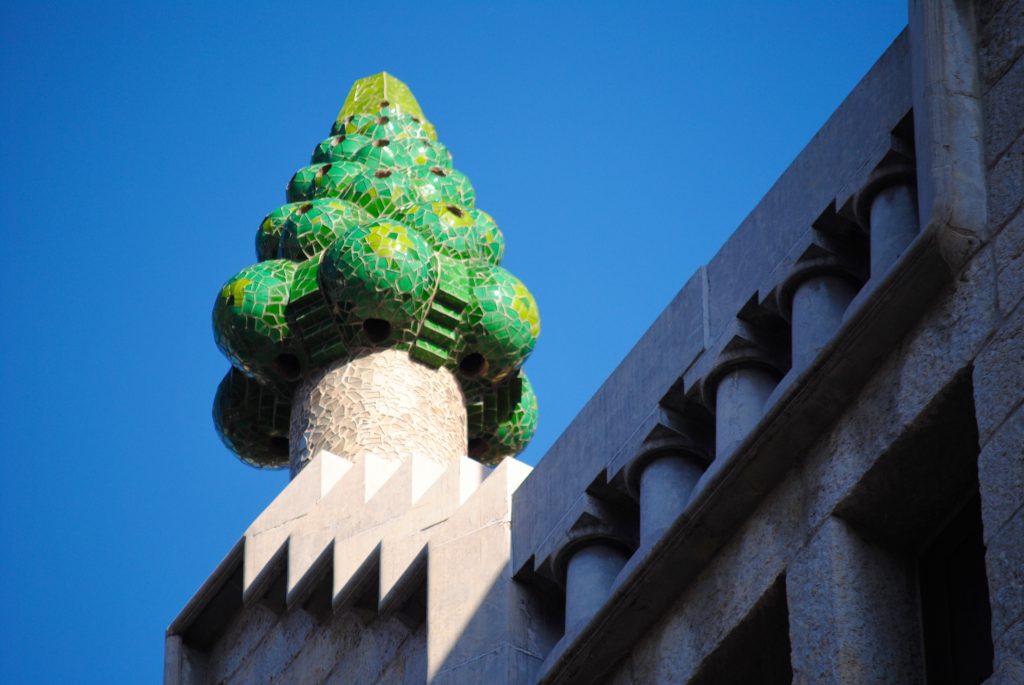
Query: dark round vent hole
point(323, 170)
point(278, 447)
point(437, 171)
point(304, 209)
point(377, 330)
point(416, 119)
point(288, 366)
point(477, 447)
point(383, 121)
point(383, 142)
point(382, 173)
point(456, 211)
point(473, 365)
point(384, 103)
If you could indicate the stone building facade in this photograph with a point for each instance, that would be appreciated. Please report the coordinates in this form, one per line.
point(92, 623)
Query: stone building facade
point(809, 469)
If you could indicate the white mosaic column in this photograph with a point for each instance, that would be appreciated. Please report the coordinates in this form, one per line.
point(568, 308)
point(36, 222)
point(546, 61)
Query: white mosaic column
point(382, 403)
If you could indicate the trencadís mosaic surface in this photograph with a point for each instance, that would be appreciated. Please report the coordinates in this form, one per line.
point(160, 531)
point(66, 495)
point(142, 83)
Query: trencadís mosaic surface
point(380, 245)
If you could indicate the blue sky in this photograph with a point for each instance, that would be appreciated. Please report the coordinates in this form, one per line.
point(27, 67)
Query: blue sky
point(616, 144)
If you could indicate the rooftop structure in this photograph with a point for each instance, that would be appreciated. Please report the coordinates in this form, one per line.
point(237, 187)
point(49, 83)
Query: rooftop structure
point(380, 249)
point(809, 469)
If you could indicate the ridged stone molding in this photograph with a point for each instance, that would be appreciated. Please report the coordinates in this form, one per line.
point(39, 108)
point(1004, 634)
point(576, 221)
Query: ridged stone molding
point(381, 403)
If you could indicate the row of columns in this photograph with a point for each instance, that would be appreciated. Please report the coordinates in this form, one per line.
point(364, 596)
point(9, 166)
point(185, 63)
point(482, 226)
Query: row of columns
point(663, 477)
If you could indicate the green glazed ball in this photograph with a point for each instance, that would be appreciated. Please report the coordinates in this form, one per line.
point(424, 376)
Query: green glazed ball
point(314, 225)
point(268, 237)
point(379, 277)
point(448, 228)
point(249, 322)
point(492, 241)
point(338, 148)
point(300, 187)
point(436, 184)
point(385, 123)
point(381, 192)
point(334, 179)
point(512, 433)
point(424, 152)
point(501, 325)
point(382, 153)
point(252, 420)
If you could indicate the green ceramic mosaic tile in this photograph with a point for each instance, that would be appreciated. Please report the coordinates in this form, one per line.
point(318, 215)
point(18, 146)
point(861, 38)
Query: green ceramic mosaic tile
point(334, 180)
point(514, 432)
point(423, 152)
point(502, 418)
point(379, 245)
point(268, 237)
point(380, 90)
point(249, 321)
point(437, 184)
point(492, 242)
point(385, 123)
point(300, 187)
point(380, 191)
point(448, 228)
point(340, 148)
point(381, 153)
point(312, 226)
point(309, 316)
point(502, 321)
point(382, 271)
point(252, 420)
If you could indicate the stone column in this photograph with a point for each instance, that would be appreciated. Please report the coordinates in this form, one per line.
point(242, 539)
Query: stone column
point(887, 208)
point(588, 581)
point(665, 487)
point(382, 403)
point(740, 395)
point(662, 478)
point(814, 297)
point(588, 559)
point(818, 306)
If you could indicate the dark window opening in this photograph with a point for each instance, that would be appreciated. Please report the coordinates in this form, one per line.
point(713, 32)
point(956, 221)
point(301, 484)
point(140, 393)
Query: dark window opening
point(955, 612)
point(757, 650)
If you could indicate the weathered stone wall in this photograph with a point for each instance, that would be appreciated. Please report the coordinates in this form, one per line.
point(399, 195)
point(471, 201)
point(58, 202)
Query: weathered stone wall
point(813, 532)
point(999, 367)
point(843, 529)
